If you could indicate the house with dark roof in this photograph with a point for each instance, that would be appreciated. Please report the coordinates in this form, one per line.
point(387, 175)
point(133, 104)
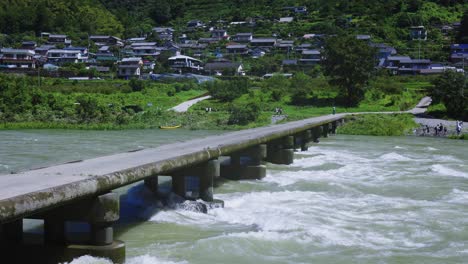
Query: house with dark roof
point(130, 67)
point(208, 40)
point(224, 67)
point(164, 33)
point(263, 42)
point(459, 53)
point(243, 37)
point(219, 34)
point(240, 49)
point(285, 45)
point(310, 57)
point(29, 45)
point(192, 24)
point(101, 40)
point(59, 39)
point(406, 65)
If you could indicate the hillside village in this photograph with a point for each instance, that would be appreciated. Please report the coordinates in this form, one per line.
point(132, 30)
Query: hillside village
point(212, 48)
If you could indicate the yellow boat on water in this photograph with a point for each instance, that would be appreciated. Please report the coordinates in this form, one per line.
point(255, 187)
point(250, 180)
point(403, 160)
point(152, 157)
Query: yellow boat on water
point(169, 127)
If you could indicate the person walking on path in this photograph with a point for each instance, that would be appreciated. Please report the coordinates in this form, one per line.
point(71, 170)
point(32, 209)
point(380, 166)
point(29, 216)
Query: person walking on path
point(334, 110)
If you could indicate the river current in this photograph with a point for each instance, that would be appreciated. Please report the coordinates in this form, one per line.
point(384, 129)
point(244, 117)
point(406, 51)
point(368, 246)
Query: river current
point(348, 199)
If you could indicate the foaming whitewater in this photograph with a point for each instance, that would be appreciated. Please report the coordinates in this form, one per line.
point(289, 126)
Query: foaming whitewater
point(339, 200)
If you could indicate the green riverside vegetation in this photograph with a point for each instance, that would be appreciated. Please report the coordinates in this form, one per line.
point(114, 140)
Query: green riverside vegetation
point(378, 125)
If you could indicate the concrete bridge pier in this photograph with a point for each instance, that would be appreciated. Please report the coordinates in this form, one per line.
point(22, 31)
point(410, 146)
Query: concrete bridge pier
point(281, 151)
point(325, 130)
point(57, 245)
point(196, 182)
point(246, 164)
point(301, 140)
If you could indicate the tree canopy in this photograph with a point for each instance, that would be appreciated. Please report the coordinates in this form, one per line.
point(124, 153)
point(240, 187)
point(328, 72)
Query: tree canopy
point(450, 89)
point(349, 64)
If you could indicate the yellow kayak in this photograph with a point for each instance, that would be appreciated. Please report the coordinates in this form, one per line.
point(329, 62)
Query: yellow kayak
point(169, 127)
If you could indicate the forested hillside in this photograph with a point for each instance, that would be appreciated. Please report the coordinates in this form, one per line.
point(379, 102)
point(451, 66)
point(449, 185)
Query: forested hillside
point(382, 18)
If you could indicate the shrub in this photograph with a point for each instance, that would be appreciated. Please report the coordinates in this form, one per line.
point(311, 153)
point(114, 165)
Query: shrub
point(244, 114)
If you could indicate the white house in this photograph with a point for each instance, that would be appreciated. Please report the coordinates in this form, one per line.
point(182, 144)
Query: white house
point(63, 56)
point(181, 63)
point(17, 58)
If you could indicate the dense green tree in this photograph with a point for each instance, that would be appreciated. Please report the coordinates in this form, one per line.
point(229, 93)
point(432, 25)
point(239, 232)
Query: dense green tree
point(450, 89)
point(244, 114)
point(277, 86)
point(227, 91)
point(349, 64)
point(301, 89)
point(462, 36)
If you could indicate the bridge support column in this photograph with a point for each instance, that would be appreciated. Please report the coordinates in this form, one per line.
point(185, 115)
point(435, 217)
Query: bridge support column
point(197, 181)
point(100, 213)
point(11, 233)
point(302, 140)
point(281, 151)
point(59, 246)
point(325, 130)
point(334, 125)
point(246, 164)
point(152, 184)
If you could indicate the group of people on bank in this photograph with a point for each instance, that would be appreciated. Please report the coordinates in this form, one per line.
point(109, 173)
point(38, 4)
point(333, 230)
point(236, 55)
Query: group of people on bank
point(441, 130)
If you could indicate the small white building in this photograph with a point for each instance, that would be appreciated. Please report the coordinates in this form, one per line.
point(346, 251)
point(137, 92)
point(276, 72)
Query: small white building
point(64, 56)
point(181, 63)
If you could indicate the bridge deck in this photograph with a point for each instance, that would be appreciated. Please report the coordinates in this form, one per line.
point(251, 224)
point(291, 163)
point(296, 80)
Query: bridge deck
point(29, 192)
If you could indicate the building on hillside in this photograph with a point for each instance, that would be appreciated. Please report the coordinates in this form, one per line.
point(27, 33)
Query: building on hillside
point(310, 57)
point(29, 45)
point(208, 40)
point(184, 64)
point(164, 33)
point(17, 58)
point(219, 34)
point(237, 49)
point(286, 19)
point(105, 56)
point(256, 53)
point(146, 51)
point(63, 56)
point(193, 24)
point(243, 37)
point(459, 54)
point(285, 45)
point(130, 68)
point(57, 39)
point(263, 42)
point(406, 65)
point(135, 40)
point(193, 49)
point(100, 40)
point(296, 9)
point(224, 67)
point(383, 52)
point(418, 33)
point(364, 37)
point(44, 49)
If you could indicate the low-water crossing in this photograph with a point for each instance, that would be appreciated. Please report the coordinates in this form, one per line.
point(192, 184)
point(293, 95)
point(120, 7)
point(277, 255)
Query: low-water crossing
point(349, 199)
